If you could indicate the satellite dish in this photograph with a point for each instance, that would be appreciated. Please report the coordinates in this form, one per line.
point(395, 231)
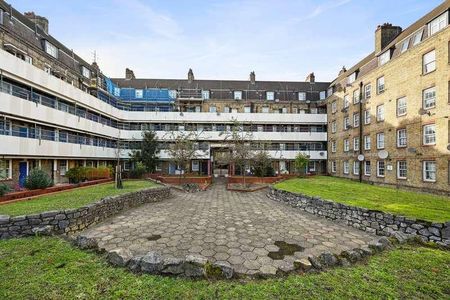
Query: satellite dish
point(383, 154)
point(448, 147)
point(361, 157)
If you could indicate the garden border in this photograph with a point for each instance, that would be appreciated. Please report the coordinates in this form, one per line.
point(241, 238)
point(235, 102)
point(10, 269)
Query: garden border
point(373, 221)
point(70, 221)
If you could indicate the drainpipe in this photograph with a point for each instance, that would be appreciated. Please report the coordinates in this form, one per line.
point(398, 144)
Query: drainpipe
point(360, 129)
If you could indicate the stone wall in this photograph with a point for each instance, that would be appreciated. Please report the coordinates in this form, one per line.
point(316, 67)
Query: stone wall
point(372, 221)
point(73, 220)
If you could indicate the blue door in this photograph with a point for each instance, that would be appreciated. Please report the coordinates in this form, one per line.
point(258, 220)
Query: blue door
point(22, 173)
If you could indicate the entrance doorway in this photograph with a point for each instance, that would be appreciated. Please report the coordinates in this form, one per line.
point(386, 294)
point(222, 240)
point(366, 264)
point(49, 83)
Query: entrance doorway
point(220, 165)
point(23, 172)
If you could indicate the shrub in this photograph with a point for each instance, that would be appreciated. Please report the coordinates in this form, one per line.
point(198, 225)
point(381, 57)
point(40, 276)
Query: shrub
point(138, 171)
point(4, 189)
point(76, 175)
point(38, 179)
point(262, 165)
point(79, 174)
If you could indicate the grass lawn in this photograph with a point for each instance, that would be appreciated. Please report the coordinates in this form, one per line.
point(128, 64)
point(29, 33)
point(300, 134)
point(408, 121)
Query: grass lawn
point(71, 198)
point(416, 205)
point(50, 268)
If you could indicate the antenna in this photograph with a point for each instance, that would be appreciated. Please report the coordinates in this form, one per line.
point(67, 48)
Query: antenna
point(94, 56)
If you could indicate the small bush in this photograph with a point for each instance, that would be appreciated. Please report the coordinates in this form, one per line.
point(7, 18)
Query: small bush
point(38, 179)
point(138, 171)
point(76, 175)
point(262, 165)
point(4, 189)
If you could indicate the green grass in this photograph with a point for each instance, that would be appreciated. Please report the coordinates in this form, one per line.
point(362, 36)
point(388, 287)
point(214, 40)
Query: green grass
point(50, 268)
point(71, 198)
point(416, 205)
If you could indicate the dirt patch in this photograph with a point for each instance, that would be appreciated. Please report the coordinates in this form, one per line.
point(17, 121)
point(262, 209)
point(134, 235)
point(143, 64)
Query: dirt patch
point(286, 249)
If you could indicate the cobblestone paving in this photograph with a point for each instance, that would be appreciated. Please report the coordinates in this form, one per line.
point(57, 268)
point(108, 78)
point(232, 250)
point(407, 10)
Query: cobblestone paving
point(240, 228)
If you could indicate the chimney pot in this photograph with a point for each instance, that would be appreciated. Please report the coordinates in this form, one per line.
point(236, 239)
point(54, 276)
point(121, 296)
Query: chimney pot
point(40, 21)
point(311, 78)
point(190, 76)
point(384, 34)
point(129, 74)
point(252, 77)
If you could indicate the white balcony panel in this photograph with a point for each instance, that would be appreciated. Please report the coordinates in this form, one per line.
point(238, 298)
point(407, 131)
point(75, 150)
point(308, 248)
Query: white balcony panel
point(38, 112)
point(17, 146)
point(290, 155)
point(164, 154)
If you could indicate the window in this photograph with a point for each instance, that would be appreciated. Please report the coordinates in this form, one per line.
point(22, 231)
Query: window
point(346, 145)
point(265, 109)
point(380, 113)
point(333, 146)
point(247, 109)
point(330, 91)
point(195, 166)
point(367, 142)
point(402, 139)
point(405, 46)
point(429, 98)
point(355, 144)
point(237, 95)
point(429, 134)
point(384, 57)
point(367, 168)
point(212, 109)
point(205, 94)
point(402, 169)
point(380, 168)
point(333, 127)
point(323, 95)
point(28, 59)
point(346, 101)
point(401, 106)
point(438, 24)
point(270, 96)
point(429, 171)
point(172, 94)
point(5, 169)
point(380, 85)
point(301, 96)
point(367, 117)
point(429, 62)
point(351, 78)
point(51, 49)
point(333, 107)
point(333, 166)
point(356, 120)
point(367, 91)
point(356, 96)
point(356, 167)
point(63, 167)
point(417, 37)
point(139, 94)
point(346, 167)
point(380, 140)
point(346, 123)
point(1, 16)
point(86, 72)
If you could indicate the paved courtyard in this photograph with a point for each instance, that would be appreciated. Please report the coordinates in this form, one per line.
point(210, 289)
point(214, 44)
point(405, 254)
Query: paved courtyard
point(244, 229)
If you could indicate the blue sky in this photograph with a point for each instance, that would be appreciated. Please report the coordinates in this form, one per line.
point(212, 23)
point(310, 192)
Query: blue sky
point(223, 39)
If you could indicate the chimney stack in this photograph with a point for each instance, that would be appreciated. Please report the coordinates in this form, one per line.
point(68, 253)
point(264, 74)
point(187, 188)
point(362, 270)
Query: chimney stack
point(190, 76)
point(385, 34)
point(129, 74)
point(342, 71)
point(252, 77)
point(42, 22)
point(311, 78)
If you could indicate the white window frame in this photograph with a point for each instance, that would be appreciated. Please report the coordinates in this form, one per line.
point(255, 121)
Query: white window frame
point(367, 91)
point(346, 167)
point(333, 146)
point(429, 62)
point(356, 120)
point(438, 23)
point(212, 109)
point(381, 168)
point(139, 93)
point(367, 168)
point(205, 94)
point(367, 142)
point(380, 113)
point(346, 145)
point(429, 134)
point(346, 123)
point(384, 57)
point(6, 169)
point(346, 101)
point(355, 167)
point(351, 78)
point(334, 107)
point(380, 85)
point(237, 95)
point(322, 95)
point(367, 117)
point(402, 138)
point(270, 96)
point(301, 96)
point(51, 49)
point(85, 72)
point(356, 144)
point(333, 127)
point(426, 170)
point(247, 109)
point(399, 169)
point(333, 166)
point(404, 46)
point(63, 167)
point(429, 98)
point(356, 96)
point(401, 106)
point(380, 140)
point(417, 37)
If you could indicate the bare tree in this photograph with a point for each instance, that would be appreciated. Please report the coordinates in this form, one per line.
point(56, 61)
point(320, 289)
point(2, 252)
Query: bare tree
point(118, 174)
point(240, 144)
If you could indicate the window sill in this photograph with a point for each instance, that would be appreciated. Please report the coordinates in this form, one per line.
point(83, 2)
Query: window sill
point(425, 74)
point(402, 178)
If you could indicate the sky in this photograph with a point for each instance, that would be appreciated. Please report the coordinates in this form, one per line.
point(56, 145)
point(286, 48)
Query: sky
point(223, 39)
